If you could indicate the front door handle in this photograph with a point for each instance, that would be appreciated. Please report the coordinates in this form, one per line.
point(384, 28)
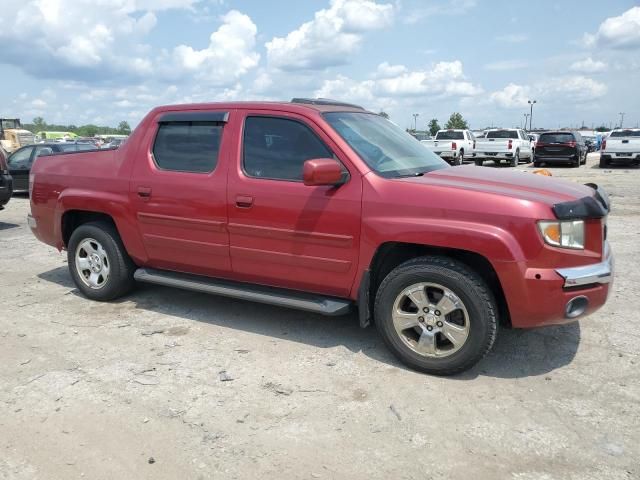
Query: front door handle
point(244, 201)
point(144, 192)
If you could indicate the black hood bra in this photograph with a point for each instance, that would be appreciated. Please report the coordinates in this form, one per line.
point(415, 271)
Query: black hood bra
point(597, 206)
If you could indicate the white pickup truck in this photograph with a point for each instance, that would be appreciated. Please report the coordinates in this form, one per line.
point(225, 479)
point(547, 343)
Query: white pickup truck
point(453, 145)
point(510, 144)
point(623, 145)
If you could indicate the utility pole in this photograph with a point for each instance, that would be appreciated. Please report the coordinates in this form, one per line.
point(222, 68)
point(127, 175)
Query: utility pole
point(621, 118)
point(415, 121)
point(531, 102)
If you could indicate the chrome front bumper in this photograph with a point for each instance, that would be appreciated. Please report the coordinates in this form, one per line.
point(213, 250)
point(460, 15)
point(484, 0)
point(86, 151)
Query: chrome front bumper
point(589, 274)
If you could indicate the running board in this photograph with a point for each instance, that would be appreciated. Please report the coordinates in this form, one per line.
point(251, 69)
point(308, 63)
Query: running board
point(244, 291)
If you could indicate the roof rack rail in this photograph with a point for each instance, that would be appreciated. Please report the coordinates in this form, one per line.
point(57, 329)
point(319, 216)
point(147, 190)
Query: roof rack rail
point(324, 101)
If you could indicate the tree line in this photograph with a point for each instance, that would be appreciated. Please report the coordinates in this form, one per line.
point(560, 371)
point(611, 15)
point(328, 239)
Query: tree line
point(456, 120)
point(90, 130)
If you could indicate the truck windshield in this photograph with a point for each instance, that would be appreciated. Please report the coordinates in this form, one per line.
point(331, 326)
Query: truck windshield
point(10, 123)
point(625, 133)
point(383, 146)
point(449, 135)
point(503, 134)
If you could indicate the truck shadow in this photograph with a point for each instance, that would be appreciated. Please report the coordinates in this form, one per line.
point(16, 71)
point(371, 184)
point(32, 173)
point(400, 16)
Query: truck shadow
point(8, 226)
point(516, 354)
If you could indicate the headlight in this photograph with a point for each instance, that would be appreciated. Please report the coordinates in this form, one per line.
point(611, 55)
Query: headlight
point(567, 234)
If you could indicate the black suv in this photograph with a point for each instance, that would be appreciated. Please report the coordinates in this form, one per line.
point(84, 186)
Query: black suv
point(560, 147)
point(21, 160)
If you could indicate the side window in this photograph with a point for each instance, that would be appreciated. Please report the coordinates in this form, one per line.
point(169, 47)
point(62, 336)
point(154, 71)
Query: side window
point(276, 148)
point(20, 159)
point(187, 146)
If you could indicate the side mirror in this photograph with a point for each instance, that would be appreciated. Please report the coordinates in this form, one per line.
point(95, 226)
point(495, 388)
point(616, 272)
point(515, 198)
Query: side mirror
point(323, 171)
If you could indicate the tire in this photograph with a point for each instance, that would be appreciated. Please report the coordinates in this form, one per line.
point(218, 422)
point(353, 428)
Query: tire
point(537, 164)
point(478, 162)
point(97, 245)
point(460, 159)
point(516, 159)
point(479, 314)
point(604, 163)
point(576, 163)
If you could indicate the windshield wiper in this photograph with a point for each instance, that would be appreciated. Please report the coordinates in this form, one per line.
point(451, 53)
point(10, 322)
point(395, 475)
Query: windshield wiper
point(417, 174)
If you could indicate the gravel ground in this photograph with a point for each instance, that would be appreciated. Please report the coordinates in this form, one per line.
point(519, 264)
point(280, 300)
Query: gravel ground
point(169, 384)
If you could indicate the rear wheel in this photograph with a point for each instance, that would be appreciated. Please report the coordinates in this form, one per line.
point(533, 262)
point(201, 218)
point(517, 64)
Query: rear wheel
point(576, 162)
point(478, 162)
point(98, 262)
point(516, 159)
point(603, 162)
point(436, 315)
point(460, 160)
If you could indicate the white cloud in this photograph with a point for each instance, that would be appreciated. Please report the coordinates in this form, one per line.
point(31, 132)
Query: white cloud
point(505, 65)
point(89, 43)
point(588, 65)
point(394, 82)
point(511, 96)
point(567, 89)
point(38, 103)
point(448, 8)
point(230, 53)
point(331, 37)
point(617, 32)
point(512, 38)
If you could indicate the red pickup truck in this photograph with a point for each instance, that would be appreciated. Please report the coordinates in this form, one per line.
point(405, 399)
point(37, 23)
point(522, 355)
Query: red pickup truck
point(323, 206)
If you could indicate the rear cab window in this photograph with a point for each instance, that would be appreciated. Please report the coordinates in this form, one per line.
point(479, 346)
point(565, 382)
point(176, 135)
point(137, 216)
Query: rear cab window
point(503, 134)
point(625, 133)
point(450, 135)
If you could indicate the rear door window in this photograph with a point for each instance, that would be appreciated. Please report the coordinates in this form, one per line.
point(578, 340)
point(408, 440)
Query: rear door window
point(187, 146)
point(276, 148)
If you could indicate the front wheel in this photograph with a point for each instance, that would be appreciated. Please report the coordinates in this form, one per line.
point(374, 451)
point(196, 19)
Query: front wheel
point(98, 262)
point(436, 315)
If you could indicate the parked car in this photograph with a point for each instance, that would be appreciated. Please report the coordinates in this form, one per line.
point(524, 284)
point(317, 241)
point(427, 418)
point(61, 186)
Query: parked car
point(533, 138)
point(590, 143)
point(510, 144)
point(6, 181)
point(560, 147)
point(324, 206)
point(622, 146)
point(21, 160)
point(452, 145)
point(115, 143)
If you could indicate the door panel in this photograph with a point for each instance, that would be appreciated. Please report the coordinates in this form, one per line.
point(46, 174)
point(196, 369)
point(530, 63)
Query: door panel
point(292, 235)
point(182, 215)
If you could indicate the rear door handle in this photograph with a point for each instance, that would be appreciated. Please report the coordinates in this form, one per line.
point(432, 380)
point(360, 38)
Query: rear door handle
point(144, 192)
point(244, 201)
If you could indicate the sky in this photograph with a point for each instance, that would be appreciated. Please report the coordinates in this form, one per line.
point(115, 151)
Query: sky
point(104, 61)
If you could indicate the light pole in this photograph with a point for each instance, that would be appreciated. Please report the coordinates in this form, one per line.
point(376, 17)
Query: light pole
point(415, 121)
point(531, 102)
point(526, 117)
point(621, 118)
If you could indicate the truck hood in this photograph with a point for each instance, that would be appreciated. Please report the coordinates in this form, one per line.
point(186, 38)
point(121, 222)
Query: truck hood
point(516, 184)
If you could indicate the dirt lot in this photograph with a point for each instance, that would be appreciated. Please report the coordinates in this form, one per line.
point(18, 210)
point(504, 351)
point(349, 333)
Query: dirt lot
point(168, 384)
